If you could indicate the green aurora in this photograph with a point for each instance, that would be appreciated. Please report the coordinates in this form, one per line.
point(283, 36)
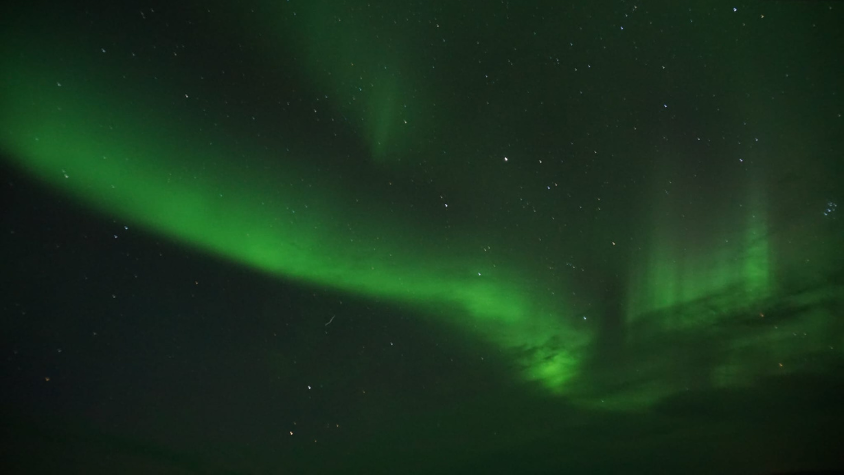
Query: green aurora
point(157, 151)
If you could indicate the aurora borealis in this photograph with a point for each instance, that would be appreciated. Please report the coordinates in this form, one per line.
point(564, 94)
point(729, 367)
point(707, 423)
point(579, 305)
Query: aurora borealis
point(536, 224)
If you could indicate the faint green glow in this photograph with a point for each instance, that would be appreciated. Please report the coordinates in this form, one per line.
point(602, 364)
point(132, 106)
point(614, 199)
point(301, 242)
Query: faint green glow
point(757, 268)
point(362, 63)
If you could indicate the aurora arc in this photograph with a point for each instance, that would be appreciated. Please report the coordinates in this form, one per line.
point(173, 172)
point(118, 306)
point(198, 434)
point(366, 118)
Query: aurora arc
point(160, 153)
point(114, 160)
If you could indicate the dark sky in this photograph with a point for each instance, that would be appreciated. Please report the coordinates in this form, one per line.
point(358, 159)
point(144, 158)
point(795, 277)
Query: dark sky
point(421, 237)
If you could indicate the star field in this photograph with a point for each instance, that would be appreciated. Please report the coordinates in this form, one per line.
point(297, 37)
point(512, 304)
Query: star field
point(438, 237)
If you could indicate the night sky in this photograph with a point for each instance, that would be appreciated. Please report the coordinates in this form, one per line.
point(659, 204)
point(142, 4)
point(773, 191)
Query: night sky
point(421, 237)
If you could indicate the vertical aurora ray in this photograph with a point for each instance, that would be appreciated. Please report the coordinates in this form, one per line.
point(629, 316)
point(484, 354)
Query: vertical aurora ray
point(715, 253)
point(362, 58)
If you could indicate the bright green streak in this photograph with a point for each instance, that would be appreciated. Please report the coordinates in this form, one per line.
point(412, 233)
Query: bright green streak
point(126, 157)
